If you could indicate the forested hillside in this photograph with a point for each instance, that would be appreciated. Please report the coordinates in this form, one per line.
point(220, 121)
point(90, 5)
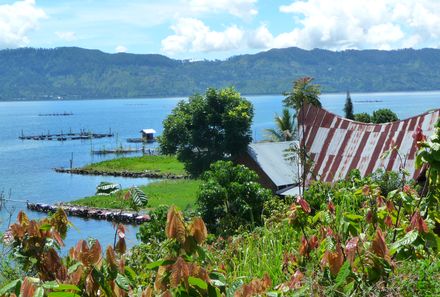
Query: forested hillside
point(29, 73)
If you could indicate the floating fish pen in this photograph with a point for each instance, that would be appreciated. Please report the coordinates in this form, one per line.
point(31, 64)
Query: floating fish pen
point(56, 114)
point(114, 215)
point(82, 135)
point(117, 151)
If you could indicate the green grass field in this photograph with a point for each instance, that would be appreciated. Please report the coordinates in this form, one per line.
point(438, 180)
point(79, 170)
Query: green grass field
point(162, 164)
point(181, 193)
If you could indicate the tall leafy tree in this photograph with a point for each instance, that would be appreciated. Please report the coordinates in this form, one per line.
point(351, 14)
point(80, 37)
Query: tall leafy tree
point(348, 107)
point(285, 127)
point(207, 128)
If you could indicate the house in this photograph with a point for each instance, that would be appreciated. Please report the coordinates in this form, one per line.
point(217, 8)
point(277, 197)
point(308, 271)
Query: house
point(148, 135)
point(338, 145)
point(270, 161)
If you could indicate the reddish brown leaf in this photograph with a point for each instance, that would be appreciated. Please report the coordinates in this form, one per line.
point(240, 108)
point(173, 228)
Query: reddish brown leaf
point(255, 287)
point(335, 260)
point(175, 228)
point(303, 203)
point(198, 230)
point(27, 288)
point(331, 207)
point(351, 248)
point(379, 246)
point(388, 221)
point(179, 273)
point(418, 223)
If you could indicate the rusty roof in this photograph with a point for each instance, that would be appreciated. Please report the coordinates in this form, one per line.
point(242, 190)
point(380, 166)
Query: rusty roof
point(337, 145)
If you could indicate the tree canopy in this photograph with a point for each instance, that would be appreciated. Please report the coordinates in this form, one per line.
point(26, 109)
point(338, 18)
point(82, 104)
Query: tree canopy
point(384, 115)
point(207, 128)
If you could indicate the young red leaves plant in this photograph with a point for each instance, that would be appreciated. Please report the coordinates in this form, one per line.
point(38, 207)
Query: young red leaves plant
point(175, 228)
point(418, 223)
point(256, 287)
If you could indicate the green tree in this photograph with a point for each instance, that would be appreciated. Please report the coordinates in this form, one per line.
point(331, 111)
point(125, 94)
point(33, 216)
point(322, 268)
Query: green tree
point(303, 92)
point(348, 107)
point(384, 115)
point(216, 126)
point(285, 127)
point(230, 197)
point(362, 117)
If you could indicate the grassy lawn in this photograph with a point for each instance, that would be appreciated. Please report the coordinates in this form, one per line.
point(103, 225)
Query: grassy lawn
point(163, 164)
point(181, 193)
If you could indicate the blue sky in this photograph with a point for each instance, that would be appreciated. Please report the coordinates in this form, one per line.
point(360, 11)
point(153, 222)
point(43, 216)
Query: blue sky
point(216, 29)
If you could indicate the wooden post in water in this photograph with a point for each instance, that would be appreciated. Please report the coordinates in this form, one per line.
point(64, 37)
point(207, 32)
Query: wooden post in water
point(71, 161)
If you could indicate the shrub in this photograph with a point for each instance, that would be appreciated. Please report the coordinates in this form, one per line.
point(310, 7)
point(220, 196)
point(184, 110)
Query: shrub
point(154, 230)
point(230, 197)
point(362, 117)
point(384, 115)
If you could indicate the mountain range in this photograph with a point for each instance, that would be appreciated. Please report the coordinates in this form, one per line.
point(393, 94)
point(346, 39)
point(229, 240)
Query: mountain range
point(77, 73)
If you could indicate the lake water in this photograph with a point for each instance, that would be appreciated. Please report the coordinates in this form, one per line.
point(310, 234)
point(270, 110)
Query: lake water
point(26, 167)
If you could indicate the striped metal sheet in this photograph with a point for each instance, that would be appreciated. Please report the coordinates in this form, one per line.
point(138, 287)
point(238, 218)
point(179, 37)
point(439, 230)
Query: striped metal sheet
point(338, 145)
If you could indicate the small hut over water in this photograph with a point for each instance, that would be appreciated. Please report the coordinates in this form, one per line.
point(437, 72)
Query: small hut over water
point(148, 135)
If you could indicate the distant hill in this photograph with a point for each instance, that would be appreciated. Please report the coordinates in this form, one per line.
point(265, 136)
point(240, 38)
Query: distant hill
point(71, 72)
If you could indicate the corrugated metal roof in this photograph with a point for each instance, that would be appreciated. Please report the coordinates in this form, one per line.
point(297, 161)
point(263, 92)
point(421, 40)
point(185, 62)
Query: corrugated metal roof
point(338, 145)
point(270, 156)
point(148, 131)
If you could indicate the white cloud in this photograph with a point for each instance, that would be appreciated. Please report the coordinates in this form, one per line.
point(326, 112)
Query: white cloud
point(121, 49)
point(66, 36)
point(342, 24)
point(238, 8)
point(16, 21)
point(193, 35)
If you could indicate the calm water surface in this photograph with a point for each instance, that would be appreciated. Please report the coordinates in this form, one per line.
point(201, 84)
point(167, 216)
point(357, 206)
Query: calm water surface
point(26, 166)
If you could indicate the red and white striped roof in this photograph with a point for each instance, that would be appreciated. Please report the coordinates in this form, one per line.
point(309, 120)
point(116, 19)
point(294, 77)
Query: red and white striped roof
point(338, 145)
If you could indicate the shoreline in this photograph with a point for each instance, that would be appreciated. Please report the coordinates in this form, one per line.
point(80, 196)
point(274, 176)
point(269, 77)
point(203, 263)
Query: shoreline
point(132, 174)
point(100, 214)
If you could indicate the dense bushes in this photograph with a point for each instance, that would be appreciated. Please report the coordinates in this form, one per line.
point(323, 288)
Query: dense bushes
point(230, 198)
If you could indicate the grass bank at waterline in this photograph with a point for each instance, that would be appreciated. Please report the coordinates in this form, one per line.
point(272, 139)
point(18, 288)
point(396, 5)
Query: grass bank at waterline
point(181, 193)
point(144, 166)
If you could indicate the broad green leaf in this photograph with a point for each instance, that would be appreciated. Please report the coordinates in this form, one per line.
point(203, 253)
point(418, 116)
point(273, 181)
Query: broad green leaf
point(195, 281)
point(408, 239)
point(67, 287)
point(39, 292)
point(62, 294)
point(50, 285)
point(123, 282)
point(74, 267)
point(343, 273)
point(10, 286)
point(156, 264)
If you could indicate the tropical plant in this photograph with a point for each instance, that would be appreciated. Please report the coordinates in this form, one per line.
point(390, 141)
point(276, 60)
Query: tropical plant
point(106, 189)
point(303, 92)
point(348, 107)
point(230, 197)
point(215, 126)
point(285, 127)
point(136, 197)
